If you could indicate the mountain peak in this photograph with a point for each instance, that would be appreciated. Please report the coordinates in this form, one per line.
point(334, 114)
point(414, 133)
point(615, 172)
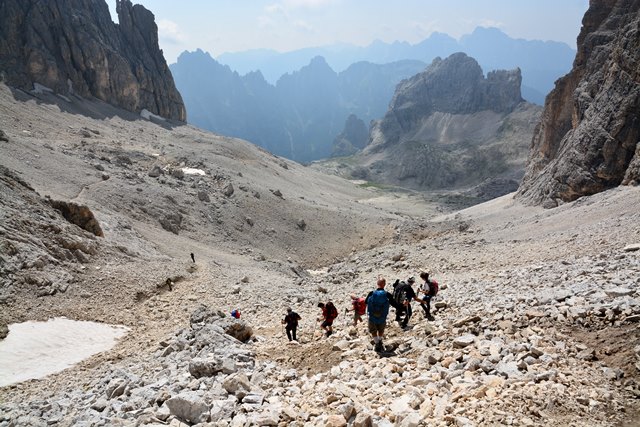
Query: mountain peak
point(74, 48)
point(457, 85)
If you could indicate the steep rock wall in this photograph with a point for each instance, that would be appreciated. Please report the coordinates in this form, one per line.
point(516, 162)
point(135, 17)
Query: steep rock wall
point(588, 137)
point(73, 47)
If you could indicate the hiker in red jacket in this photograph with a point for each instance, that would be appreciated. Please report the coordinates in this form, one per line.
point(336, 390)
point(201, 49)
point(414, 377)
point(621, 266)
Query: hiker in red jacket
point(329, 313)
point(359, 308)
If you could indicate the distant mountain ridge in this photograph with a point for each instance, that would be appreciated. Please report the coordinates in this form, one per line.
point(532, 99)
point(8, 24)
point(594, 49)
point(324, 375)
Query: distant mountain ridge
point(541, 62)
point(300, 116)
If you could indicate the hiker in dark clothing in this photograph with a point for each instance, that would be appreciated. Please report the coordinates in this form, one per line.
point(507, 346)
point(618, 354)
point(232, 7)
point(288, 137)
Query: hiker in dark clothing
point(428, 290)
point(403, 295)
point(329, 313)
point(378, 302)
point(291, 322)
point(193, 257)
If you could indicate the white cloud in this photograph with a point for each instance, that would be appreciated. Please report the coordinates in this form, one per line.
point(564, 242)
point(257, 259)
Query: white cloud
point(275, 9)
point(310, 4)
point(303, 26)
point(491, 23)
point(170, 32)
point(487, 23)
point(265, 22)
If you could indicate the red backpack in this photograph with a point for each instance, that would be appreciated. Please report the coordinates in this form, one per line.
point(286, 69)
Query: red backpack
point(434, 287)
point(360, 306)
point(332, 311)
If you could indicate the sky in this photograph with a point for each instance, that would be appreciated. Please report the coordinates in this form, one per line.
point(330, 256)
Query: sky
point(219, 26)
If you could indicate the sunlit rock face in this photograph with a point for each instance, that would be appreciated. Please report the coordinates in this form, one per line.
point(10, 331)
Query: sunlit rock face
point(588, 138)
point(74, 48)
point(451, 127)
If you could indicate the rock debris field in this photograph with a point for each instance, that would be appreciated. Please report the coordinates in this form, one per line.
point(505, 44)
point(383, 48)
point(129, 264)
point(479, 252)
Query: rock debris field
point(536, 322)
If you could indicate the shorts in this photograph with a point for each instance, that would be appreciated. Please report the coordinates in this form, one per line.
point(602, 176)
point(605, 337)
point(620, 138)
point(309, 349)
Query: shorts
point(327, 323)
point(376, 328)
point(357, 316)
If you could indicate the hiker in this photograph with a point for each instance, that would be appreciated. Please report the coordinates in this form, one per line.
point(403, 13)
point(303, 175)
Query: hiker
point(329, 313)
point(291, 322)
point(403, 294)
point(235, 313)
point(429, 288)
point(193, 257)
point(359, 307)
point(378, 302)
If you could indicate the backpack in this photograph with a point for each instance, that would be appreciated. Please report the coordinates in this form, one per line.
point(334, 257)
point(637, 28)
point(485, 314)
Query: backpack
point(400, 293)
point(332, 311)
point(434, 287)
point(378, 306)
point(360, 306)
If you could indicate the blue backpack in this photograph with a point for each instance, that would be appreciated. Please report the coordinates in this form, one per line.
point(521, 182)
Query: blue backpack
point(378, 306)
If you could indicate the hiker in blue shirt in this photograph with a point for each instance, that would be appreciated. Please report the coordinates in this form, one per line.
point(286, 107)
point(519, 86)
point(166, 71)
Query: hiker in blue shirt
point(378, 303)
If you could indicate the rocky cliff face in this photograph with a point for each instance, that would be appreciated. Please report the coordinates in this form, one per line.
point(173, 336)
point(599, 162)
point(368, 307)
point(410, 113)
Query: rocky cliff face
point(588, 139)
point(354, 137)
point(74, 48)
point(455, 85)
point(451, 127)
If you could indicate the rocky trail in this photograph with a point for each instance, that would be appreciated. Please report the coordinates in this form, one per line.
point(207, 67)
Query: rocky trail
point(522, 336)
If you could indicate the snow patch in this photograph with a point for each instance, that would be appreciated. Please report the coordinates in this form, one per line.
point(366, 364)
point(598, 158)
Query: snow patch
point(37, 349)
point(193, 171)
point(318, 272)
point(40, 89)
point(148, 115)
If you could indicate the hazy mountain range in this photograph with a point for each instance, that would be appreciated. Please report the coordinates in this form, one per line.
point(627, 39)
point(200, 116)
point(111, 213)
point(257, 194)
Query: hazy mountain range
point(541, 62)
point(300, 115)
point(295, 104)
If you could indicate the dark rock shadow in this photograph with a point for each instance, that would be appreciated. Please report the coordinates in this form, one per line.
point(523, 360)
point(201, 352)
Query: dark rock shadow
point(93, 108)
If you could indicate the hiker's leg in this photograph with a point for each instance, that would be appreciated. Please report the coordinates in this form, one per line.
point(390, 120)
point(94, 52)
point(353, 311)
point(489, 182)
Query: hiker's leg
point(425, 305)
point(379, 334)
point(293, 333)
point(407, 316)
point(288, 333)
point(373, 330)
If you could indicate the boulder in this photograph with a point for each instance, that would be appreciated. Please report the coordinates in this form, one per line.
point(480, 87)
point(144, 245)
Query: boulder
point(205, 367)
point(203, 196)
point(155, 171)
point(464, 341)
point(79, 215)
point(189, 406)
point(228, 190)
point(335, 420)
point(235, 382)
point(618, 292)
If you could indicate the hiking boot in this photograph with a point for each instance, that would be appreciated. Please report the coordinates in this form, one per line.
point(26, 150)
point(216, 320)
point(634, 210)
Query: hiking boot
point(378, 346)
point(430, 317)
point(328, 333)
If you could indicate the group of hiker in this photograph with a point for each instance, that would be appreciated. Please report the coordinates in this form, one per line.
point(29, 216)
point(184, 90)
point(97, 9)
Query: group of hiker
point(376, 305)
